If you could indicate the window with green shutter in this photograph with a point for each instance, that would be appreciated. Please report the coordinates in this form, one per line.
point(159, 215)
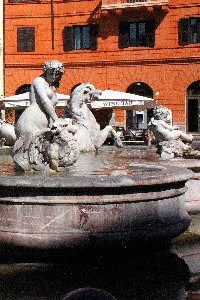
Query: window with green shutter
point(189, 31)
point(80, 37)
point(137, 34)
point(26, 39)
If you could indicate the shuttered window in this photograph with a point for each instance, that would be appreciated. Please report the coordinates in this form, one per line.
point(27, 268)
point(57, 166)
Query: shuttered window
point(189, 31)
point(26, 39)
point(80, 37)
point(137, 34)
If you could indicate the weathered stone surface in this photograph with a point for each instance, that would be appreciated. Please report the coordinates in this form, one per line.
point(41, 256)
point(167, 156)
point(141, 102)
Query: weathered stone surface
point(68, 212)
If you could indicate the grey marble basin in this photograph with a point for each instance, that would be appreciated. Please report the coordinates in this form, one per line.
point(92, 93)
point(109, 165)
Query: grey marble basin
point(52, 212)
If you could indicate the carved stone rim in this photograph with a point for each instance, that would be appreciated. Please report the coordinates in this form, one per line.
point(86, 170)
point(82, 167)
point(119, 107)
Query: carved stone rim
point(155, 175)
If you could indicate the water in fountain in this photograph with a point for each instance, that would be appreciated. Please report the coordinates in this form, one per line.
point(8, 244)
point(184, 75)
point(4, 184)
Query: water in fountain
point(107, 160)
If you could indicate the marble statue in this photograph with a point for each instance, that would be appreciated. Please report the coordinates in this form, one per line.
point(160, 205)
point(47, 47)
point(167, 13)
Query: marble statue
point(39, 131)
point(45, 142)
point(7, 134)
point(171, 142)
point(89, 135)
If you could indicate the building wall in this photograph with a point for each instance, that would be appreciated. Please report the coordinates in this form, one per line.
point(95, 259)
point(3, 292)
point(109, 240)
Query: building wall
point(167, 68)
point(1, 49)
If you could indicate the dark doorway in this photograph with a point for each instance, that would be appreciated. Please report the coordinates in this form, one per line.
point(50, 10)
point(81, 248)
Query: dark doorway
point(193, 115)
point(23, 89)
point(193, 104)
point(141, 89)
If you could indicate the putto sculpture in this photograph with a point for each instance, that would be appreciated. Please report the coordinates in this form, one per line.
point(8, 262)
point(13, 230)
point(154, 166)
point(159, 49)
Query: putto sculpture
point(44, 141)
point(171, 142)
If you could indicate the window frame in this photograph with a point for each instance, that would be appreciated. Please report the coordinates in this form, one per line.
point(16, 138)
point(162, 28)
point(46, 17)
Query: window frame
point(81, 37)
point(138, 40)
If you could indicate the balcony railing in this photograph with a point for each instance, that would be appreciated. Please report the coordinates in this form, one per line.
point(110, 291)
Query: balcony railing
point(115, 4)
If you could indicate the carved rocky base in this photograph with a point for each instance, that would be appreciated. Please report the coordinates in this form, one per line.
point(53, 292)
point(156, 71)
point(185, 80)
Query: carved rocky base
point(175, 148)
point(50, 149)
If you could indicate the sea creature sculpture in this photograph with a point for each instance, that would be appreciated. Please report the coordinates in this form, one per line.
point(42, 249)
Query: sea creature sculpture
point(89, 135)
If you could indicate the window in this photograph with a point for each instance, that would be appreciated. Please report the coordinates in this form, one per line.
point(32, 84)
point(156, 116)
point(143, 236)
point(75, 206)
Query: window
point(137, 34)
point(189, 31)
point(80, 37)
point(26, 39)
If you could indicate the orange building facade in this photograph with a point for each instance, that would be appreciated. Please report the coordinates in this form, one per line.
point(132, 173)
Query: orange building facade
point(147, 47)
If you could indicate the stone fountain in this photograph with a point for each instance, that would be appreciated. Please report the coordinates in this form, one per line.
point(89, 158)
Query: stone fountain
point(50, 212)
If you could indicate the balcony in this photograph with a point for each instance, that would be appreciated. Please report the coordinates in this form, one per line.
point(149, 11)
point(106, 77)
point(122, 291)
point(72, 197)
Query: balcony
point(142, 4)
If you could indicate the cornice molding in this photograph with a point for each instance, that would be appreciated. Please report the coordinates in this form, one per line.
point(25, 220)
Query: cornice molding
point(188, 5)
point(104, 63)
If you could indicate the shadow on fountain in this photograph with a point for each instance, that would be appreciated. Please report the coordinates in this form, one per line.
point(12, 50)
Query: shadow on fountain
point(93, 251)
point(150, 276)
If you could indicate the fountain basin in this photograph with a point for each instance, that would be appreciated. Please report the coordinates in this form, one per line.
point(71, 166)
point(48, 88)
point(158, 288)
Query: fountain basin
point(52, 212)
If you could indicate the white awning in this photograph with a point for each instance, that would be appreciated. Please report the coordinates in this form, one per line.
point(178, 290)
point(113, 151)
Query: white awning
point(121, 100)
point(108, 99)
point(22, 100)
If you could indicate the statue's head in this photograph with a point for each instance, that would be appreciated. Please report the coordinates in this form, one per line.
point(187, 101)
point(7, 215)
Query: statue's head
point(53, 65)
point(82, 87)
point(161, 113)
point(86, 91)
point(53, 71)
